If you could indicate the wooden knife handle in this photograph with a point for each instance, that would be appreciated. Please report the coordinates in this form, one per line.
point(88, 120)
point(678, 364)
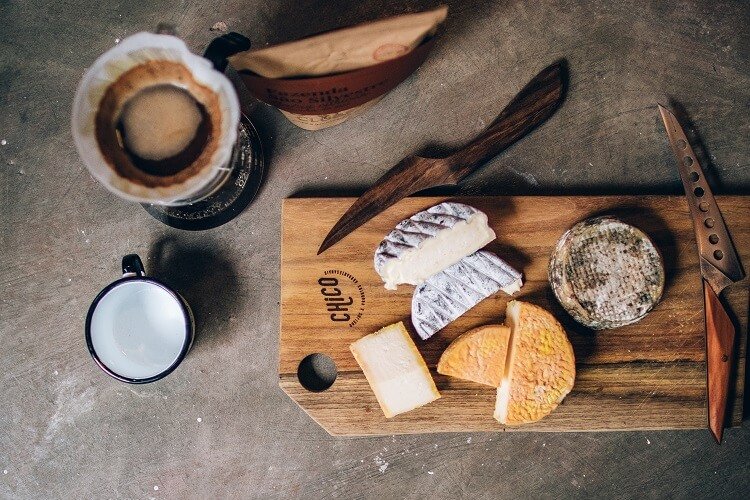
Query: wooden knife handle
point(536, 102)
point(719, 355)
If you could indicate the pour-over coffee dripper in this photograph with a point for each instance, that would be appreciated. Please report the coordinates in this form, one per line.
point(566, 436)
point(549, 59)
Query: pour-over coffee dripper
point(247, 163)
point(226, 176)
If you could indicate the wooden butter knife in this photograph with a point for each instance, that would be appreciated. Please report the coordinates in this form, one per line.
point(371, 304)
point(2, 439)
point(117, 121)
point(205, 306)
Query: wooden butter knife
point(720, 267)
point(536, 102)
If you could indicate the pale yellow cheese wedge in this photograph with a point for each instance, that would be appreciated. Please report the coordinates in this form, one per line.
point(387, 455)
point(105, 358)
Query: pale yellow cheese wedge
point(540, 368)
point(395, 370)
point(478, 355)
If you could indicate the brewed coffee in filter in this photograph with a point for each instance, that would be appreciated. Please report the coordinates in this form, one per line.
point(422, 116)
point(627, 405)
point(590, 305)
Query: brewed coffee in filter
point(331, 67)
point(160, 122)
point(154, 122)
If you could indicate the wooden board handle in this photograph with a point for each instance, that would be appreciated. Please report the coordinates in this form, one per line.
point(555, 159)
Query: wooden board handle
point(719, 351)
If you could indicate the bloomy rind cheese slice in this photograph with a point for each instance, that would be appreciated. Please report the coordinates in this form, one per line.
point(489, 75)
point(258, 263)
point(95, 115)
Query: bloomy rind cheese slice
point(395, 370)
point(430, 241)
point(478, 355)
point(540, 368)
point(606, 273)
point(449, 294)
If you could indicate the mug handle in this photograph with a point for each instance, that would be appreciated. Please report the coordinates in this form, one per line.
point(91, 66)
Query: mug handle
point(219, 49)
point(132, 266)
point(223, 47)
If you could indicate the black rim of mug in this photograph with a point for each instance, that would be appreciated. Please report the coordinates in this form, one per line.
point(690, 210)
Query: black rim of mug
point(189, 333)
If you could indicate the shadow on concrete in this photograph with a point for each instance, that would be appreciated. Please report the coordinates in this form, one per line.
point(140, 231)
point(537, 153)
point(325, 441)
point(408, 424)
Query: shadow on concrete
point(499, 186)
point(203, 276)
point(296, 21)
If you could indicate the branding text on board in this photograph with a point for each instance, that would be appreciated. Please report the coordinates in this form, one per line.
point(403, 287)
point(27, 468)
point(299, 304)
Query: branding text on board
point(340, 297)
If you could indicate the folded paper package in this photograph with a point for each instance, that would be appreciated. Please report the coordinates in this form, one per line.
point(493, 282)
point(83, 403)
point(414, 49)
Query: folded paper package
point(325, 79)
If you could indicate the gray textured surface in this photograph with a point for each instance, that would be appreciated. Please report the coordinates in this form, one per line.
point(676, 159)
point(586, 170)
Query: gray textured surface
point(67, 430)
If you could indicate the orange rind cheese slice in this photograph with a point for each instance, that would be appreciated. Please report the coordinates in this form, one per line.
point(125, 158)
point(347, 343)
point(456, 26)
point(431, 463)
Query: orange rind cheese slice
point(540, 366)
point(477, 355)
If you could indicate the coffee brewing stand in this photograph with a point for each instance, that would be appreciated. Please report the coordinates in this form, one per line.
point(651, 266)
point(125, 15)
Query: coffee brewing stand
point(247, 163)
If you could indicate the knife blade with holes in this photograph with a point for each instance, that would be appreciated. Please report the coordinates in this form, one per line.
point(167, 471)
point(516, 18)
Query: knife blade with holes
point(720, 267)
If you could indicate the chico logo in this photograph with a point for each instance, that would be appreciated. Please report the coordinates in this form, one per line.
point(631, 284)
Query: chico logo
point(343, 296)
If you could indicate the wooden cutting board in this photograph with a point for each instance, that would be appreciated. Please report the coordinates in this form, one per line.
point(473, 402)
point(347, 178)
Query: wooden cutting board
point(650, 375)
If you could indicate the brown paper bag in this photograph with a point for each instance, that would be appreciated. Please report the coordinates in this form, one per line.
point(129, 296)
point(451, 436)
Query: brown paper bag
point(323, 80)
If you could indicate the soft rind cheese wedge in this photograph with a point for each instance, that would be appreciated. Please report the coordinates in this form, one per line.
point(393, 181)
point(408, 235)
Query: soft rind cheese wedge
point(540, 366)
point(478, 355)
point(447, 295)
point(430, 241)
point(395, 370)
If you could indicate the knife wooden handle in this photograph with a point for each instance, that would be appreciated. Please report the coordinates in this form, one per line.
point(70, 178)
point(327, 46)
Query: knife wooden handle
point(536, 102)
point(719, 351)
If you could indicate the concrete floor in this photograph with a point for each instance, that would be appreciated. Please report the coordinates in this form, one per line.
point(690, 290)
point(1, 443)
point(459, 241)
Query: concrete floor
point(219, 426)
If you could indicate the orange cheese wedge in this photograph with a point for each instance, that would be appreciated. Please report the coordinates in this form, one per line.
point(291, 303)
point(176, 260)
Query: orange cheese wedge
point(477, 355)
point(540, 366)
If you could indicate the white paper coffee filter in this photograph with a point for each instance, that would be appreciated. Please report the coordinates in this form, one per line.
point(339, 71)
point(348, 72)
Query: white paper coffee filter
point(131, 52)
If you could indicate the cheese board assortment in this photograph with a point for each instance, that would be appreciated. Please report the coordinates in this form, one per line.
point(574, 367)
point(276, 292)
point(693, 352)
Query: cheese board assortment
point(437, 250)
point(649, 374)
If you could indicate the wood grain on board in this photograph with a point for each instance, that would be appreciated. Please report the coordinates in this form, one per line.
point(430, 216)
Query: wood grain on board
point(650, 375)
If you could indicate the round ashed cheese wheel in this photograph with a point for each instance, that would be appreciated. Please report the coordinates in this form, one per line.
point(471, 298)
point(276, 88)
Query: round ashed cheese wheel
point(606, 273)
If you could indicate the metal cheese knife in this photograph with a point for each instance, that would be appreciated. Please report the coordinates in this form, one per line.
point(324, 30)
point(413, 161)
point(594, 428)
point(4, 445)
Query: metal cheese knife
point(536, 102)
point(720, 267)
